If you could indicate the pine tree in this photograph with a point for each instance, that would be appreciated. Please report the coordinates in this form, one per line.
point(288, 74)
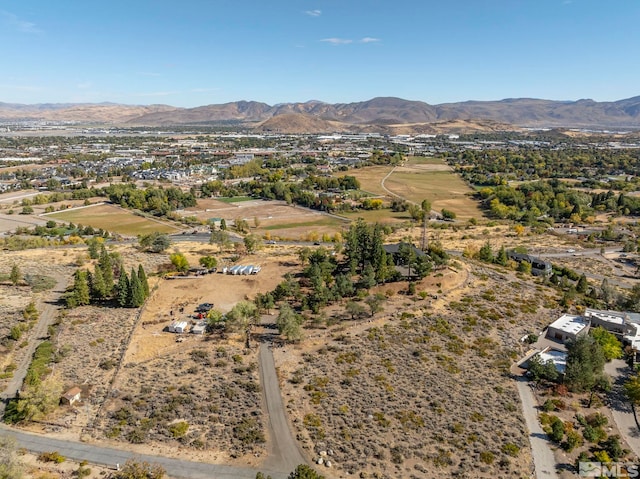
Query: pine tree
point(93, 248)
point(142, 276)
point(502, 258)
point(582, 285)
point(136, 292)
point(98, 287)
point(123, 289)
point(81, 288)
point(106, 265)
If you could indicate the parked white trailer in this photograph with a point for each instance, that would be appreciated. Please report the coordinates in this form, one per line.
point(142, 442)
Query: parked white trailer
point(178, 327)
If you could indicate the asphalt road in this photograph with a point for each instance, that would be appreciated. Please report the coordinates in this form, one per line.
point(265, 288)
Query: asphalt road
point(620, 406)
point(110, 457)
point(543, 459)
point(283, 451)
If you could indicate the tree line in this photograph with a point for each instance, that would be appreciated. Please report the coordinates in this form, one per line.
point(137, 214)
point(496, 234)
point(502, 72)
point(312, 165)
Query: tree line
point(100, 285)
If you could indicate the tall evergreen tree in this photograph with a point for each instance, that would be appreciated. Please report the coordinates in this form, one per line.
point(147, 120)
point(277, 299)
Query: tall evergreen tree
point(502, 258)
point(142, 276)
point(81, 288)
point(98, 287)
point(106, 265)
point(123, 289)
point(136, 292)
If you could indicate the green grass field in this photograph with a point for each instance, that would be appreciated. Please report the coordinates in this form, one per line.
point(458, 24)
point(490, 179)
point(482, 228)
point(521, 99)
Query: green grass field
point(384, 215)
point(114, 219)
point(235, 199)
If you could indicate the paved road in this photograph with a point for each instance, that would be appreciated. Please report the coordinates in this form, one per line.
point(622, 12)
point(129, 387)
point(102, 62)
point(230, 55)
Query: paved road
point(543, 459)
point(110, 457)
point(48, 309)
point(283, 448)
point(620, 406)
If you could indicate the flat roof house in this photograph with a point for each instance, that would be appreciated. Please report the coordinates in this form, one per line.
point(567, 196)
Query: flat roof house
point(568, 327)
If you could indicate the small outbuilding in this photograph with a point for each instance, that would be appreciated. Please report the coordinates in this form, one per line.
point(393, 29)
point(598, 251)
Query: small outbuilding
point(71, 396)
point(178, 327)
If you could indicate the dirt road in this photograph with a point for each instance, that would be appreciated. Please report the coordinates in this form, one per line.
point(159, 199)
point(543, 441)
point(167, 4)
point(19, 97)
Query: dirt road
point(110, 457)
point(47, 306)
point(283, 449)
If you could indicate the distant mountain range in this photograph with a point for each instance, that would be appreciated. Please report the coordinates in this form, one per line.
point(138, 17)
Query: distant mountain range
point(386, 114)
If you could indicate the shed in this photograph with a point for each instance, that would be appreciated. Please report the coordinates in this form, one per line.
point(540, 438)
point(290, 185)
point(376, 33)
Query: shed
point(71, 396)
point(199, 328)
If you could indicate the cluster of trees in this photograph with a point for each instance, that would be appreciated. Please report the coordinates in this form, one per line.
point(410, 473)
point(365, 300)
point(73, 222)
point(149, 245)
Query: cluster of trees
point(529, 201)
point(157, 201)
point(496, 167)
point(53, 229)
point(98, 286)
point(154, 242)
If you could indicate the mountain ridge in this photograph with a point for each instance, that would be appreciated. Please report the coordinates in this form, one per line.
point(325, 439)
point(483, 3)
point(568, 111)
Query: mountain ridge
point(379, 111)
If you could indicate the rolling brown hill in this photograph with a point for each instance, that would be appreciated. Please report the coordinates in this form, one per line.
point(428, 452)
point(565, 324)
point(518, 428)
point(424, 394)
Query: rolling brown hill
point(315, 116)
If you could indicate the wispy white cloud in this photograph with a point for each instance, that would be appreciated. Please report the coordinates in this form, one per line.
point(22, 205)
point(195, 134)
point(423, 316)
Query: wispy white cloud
point(337, 41)
point(347, 41)
point(15, 23)
point(84, 85)
point(314, 13)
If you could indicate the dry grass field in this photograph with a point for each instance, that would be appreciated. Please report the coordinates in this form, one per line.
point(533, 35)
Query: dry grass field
point(418, 390)
point(443, 188)
point(115, 219)
point(369, 178)
point(423, 389)
point(419, 178)
point(275, 219)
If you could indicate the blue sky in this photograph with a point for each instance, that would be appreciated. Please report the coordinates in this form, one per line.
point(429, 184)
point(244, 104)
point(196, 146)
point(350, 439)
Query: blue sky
point(199, 52)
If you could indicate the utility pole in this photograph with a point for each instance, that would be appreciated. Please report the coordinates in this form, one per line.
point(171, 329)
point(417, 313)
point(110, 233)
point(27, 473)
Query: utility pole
point(425, 240)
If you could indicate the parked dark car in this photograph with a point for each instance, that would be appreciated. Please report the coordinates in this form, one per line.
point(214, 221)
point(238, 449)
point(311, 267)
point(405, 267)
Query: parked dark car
point(204, 307)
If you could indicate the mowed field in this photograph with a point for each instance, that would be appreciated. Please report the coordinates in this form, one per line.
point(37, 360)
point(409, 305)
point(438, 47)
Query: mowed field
point(421, 178)
point(369, 178)
point(273, 218)
point(114, 219)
